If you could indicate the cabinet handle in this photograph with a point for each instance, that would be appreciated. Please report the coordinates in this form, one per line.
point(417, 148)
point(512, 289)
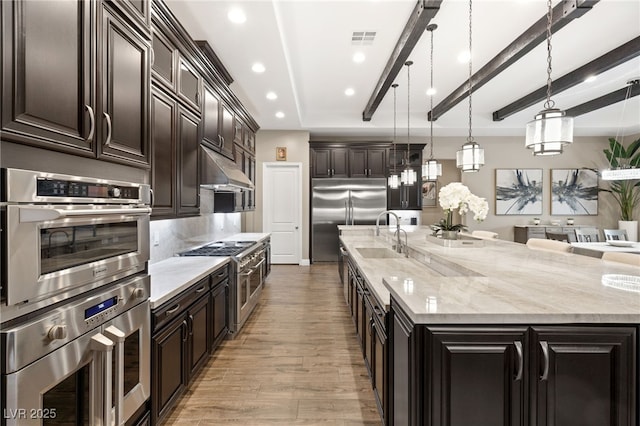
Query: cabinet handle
point(545, 355)
point(198, 98)
point(173, 310)
point(201, 289)
point(328, 172)
point(190, 325)
point(369, 172)
point(371, 325)
point(152, 53)
point(108, 141)
point(185, 329)
point(222, 274)
point(518, 346)
point(152, 200)
point(92, 120)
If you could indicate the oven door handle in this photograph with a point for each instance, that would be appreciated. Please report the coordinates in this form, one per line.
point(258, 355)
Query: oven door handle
point(43, 214)
point(116, 335)
point(102, 348)
point(255, 268)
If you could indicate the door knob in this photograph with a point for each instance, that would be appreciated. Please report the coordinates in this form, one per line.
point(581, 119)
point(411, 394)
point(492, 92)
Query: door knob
point(296, 227)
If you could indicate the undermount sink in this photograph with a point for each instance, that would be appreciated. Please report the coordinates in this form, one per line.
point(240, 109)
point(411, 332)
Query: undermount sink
point(376, 252)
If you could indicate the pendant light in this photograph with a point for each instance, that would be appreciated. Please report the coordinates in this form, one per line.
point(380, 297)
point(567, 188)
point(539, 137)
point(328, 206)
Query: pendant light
point(431, 169)
point(408, 175)
point(551, 129)
point(394, 180)
point(618, 171)
point(470, 157)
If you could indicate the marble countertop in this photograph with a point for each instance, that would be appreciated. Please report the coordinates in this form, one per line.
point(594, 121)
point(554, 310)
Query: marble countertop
point(174, 275)
point(497, 282)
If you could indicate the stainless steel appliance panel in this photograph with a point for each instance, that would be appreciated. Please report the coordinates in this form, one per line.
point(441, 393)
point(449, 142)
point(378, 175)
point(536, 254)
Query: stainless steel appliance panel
point(342, 202)
point(87, 362)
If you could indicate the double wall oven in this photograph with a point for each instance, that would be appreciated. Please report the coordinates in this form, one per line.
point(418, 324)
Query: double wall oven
point(248, 263)
point(75, 322)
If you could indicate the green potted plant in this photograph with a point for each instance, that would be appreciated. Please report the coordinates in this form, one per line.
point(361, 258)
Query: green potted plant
point(625, 192)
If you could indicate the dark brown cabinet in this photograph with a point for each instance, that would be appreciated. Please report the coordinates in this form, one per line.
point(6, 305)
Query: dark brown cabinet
point(48, 89)
point(329, 162)
point(513, 375)
point(164, 110)
point(122, 121)
point(164, 59)
point(188, 165)
point(482, 375)
point(227, 130)
point(584, 376)
point(211, 119)
point(189, 84)
point(368, 162)
point(186, 330)
point(55, 96)
point(169, 358)
point(175, 141)
point(137, 10)
point(406, 197)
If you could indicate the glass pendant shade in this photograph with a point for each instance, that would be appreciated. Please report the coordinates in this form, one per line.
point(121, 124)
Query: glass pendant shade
point(470, 157)
point(408, 176)
point(393, 181)
point(431, 170)
point(549, 132)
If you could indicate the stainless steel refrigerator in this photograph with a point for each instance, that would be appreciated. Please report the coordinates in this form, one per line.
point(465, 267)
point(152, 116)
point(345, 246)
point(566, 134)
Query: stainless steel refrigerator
point(342, 202)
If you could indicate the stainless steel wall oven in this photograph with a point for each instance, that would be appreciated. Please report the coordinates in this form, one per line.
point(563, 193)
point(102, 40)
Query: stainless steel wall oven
point(65, 235)
point(84, 363)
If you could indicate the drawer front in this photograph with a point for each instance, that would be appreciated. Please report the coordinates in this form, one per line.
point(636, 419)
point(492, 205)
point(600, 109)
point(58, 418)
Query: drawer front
point(219, 275)
point(178, 304)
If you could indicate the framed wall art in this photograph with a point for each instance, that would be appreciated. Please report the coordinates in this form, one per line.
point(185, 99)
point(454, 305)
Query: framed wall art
point(281, 153)
point(518, 191)
point(574, 192)
point(430, 193)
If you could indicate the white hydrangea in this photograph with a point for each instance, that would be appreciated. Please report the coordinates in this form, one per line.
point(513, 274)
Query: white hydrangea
point(457, 196)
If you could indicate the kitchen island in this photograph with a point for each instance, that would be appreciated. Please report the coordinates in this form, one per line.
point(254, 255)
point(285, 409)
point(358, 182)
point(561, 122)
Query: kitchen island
point(495, 333)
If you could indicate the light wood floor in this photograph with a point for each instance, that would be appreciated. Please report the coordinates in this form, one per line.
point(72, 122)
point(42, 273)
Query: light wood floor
point(296, 362)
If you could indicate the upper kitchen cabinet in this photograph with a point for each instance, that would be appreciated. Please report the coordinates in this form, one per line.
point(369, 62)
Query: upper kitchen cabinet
point(139, 11)
point(189, 84)
point(397, 156)
point(164, 111)
point(329, 162)
point(53, 96)
point(123, 117)
point(211, 118)
point(227, 130)
point(367, 162)
point(48, 89)
point(163, 59)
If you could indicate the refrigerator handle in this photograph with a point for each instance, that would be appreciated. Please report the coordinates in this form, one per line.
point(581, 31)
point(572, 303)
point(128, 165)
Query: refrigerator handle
point(353, 221)
point(346, 213)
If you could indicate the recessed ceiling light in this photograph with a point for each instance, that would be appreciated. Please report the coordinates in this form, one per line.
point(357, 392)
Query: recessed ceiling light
point(272, 96)
point(237, 16)
point(349, 92)
point(431, 91)
point(358, 57)
point(590, 79)
point(280, 114)
point(464, 57)
point(258, 68)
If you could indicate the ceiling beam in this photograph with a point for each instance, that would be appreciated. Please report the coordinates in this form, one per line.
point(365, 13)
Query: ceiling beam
point(615, 57)
point(420, 17)
point(605, 100)
point(562, 14)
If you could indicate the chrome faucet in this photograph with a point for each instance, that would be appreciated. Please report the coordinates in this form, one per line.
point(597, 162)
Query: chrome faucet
point(378, 220)
point(399, 247)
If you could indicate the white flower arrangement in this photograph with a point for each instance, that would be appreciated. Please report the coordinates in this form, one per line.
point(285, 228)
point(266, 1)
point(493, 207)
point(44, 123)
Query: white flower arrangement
point(456, 196)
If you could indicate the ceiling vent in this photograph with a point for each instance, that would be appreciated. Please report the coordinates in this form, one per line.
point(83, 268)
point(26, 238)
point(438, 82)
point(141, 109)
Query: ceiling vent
point(360, 38)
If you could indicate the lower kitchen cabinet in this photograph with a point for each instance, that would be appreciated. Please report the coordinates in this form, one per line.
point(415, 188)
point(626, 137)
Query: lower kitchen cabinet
point(186, 330)
point(370, 321)
point(512, 375)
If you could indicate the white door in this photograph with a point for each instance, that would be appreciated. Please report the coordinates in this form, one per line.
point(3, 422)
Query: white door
point(282, 215)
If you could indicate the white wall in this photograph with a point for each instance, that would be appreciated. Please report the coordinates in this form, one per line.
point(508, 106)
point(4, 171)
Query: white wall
point(510, 153)
point(297, 144)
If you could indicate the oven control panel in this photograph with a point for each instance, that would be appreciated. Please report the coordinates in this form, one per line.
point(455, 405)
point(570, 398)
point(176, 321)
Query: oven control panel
point(65, 188)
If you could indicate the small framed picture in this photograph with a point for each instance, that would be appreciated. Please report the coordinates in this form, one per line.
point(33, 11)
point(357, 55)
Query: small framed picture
point(281, 153)
point(430, 193)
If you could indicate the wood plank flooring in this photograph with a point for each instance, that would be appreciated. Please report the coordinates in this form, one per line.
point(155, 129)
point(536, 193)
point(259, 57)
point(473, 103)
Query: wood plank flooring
point(297, 361)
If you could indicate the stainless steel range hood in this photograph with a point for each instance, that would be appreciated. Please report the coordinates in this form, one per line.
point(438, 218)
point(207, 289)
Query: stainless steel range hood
point(221, 174)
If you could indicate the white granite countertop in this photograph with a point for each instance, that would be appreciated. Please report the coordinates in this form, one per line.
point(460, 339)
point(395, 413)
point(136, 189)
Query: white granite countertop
point(174, 275)
point(497, 282)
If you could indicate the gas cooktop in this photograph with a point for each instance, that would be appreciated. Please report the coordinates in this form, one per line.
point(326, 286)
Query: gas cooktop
point(219, 248)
